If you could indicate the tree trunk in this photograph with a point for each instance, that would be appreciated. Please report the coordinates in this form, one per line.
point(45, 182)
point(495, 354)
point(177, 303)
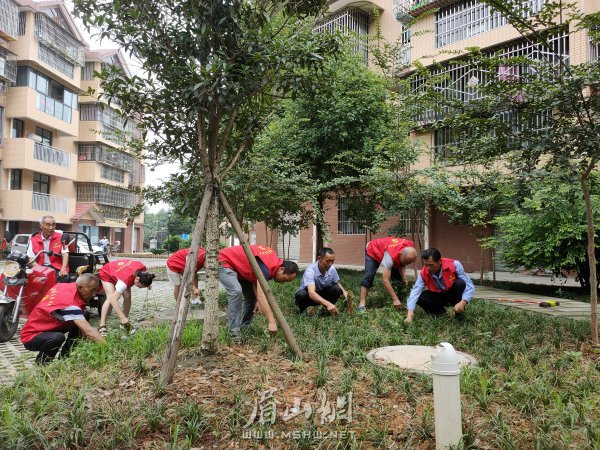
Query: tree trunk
point(287, 331)
point(591, 249)
point(181, 309)
point(210, 331)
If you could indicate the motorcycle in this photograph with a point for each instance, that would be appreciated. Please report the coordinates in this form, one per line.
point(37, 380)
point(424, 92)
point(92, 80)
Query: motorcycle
point(24, 286)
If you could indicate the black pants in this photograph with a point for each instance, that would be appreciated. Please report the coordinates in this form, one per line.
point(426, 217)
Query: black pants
point(436, 302)
point(331, 294)
point(48, 344)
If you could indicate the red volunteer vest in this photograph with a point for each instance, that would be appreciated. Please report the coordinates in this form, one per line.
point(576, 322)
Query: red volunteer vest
point(37, 245)
point(123, 270)
point(448, 275)
point(235, 259)
point(176, 261)
point(41, 319)
point(393, 245)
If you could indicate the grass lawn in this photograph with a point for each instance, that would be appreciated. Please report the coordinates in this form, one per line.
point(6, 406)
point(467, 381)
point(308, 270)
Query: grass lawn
point(536, 386)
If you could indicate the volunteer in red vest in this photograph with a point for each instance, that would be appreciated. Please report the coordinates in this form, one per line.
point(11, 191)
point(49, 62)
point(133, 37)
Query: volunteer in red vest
point(48, 239)
point(393, 254)
point(447, 285)
point(243, 290)
point(176, 266)
point(61, 310)
point(117, 278)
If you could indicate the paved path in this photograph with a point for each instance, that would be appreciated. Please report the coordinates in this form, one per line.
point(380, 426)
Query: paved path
point(568, 308)
point(148, 308)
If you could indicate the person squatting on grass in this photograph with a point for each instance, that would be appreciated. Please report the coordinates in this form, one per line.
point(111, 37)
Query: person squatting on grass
point(176, 266)
point(447, 285)
point(321, 284)
point(49, 239)
point(61, 310)
point(394, 254)
point(117, 278)
point(243, 290)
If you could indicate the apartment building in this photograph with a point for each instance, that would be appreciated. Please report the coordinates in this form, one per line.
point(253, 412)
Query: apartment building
point(440, 30)
point(62, 149)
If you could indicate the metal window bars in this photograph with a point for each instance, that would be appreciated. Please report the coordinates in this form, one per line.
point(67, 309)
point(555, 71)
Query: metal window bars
point(345, 224)
point(8, 66)
point(105, 195)
point(350, 22)
point(9, 19)
point(51, 34)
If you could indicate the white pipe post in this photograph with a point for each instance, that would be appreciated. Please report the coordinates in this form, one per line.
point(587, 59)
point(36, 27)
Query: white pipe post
point(314, 243)
point(446, 397)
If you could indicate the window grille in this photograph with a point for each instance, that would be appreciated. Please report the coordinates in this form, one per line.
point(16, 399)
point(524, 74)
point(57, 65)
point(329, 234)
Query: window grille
point(138, 177)
point(56, 61)
point(87, 73)
point(410, 222)
point(469, 18)
point(345, 224)
point(404, 51)
point(106, 155)
point(9, 14)
point(594, 51)
point(8, 66)
point(105, 195)
point(53, 35)
point(114, 213)
point(113, 174)
point(22, 23)
point(350, 22)
point(461, 81)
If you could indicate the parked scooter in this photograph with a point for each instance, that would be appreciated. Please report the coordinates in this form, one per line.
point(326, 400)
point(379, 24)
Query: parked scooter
point(22, 286)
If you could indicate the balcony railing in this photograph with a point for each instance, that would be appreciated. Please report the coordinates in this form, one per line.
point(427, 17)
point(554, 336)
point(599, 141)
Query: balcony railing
point(8, 66)
point(9, 19)
point(51, 155)
point(105, 195)
point(49, 203)
point(51, 34)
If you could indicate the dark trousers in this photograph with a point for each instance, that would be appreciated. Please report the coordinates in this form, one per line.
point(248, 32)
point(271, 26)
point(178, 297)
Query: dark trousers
point(48, 344)
point(371, 267)
point(331, 294)
point(436, 302)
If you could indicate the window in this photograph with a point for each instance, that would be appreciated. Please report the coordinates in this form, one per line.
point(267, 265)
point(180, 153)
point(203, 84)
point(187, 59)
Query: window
point(22, 21)
point(41, 183)
point(18, 128)
point(110, 173)
point(16, 175)
point(410, 222)
point(469, 18)
point(1, 122)
point(55, 60)
point(345, 224)
point(45, 135)
point(87, 73)
point(351, 22)
point(52, 97)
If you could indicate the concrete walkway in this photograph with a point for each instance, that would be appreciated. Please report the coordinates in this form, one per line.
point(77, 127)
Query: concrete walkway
point(567, 308)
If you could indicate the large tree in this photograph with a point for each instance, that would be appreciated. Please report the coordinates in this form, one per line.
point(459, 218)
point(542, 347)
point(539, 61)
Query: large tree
point(335, 134)
point(212, 71)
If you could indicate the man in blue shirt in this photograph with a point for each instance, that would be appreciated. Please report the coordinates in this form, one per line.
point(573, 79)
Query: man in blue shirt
point(321, 284)
point(447, 285)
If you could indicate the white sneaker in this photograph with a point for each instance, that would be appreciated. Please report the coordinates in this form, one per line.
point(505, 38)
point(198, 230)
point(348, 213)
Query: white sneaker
point(196, 302)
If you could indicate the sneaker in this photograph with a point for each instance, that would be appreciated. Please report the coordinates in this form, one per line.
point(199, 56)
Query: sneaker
point(236, 337)
point(128, 328)
point(196, 302)
point(103, 331)
point(361, 309)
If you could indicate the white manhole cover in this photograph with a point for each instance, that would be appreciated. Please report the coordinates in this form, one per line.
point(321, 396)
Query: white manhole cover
point(416, 358)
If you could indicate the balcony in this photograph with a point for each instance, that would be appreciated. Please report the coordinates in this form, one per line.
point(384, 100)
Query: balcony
point(30, 206)
point(407, 10)
point(105, 195)
point(27, 154)
point(9, 20)
point(50, 203)
point(8, 66)
point(52, 35)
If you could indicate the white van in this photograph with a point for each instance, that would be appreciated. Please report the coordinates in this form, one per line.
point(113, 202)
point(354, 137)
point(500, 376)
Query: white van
point(20, 242)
